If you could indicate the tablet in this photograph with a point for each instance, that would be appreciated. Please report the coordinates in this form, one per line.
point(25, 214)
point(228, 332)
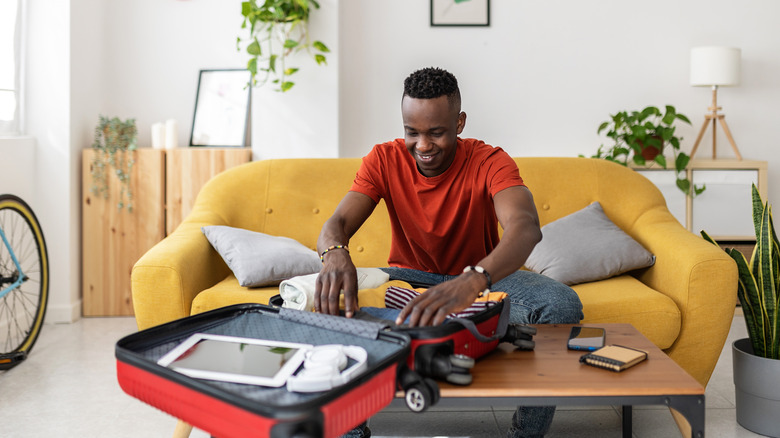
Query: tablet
point(236, 359)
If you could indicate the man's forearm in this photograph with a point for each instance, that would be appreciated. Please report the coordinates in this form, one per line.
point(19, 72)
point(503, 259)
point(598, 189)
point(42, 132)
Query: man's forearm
point(332, 234)
point(511, 252)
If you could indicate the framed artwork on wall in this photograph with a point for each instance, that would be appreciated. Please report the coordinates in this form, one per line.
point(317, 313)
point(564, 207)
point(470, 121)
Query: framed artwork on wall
point(222, 110)
point(460, 12)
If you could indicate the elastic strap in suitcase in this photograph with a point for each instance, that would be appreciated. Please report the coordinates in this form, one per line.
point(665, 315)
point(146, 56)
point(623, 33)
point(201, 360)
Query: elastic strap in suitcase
point(501, 327)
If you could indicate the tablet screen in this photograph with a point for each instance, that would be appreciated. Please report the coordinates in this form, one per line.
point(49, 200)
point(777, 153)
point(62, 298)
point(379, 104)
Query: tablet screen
point(239, 360)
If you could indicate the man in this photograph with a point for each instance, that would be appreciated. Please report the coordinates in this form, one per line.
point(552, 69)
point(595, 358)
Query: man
point(445, 197)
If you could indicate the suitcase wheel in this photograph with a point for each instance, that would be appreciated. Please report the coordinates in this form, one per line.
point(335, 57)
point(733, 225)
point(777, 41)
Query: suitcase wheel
point(524, 344)
point(520, 336)
point(462, 361)
point(460, 379)
point(421, 395)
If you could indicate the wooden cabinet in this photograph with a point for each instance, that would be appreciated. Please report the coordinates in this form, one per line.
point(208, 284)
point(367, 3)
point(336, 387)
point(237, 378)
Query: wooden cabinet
point(164, 184)
point(112, 239)
point(724, 209)
point(187, 170)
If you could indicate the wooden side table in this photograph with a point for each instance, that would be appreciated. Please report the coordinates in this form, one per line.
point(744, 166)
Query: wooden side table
point(552, 375)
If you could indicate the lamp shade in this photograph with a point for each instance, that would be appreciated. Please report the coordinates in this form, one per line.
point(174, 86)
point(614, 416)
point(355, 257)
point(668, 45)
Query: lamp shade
point(715, 66)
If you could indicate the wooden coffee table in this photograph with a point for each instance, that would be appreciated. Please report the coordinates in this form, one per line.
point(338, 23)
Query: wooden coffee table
point(552, 375)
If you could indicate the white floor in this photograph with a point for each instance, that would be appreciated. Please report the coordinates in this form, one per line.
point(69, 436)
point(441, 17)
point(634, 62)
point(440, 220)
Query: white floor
point(67, 388)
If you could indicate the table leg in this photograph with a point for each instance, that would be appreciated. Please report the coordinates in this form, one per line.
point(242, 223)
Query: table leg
point(627, 421)
point(692, 408)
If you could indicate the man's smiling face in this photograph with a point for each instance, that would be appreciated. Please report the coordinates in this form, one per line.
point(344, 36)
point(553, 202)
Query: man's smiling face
point(431, 128)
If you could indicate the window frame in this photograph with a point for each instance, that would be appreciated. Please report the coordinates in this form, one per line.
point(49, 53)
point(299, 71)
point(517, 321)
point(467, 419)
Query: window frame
point(14, 127)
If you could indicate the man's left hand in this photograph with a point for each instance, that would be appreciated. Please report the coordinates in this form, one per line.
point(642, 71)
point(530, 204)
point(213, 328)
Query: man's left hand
point(433, 306)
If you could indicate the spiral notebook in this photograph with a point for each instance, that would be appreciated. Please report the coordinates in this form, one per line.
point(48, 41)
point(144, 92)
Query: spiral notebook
point(614, 357)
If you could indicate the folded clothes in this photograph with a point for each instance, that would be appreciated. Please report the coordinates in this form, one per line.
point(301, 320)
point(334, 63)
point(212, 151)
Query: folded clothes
point(397, 297)
point(298, 292)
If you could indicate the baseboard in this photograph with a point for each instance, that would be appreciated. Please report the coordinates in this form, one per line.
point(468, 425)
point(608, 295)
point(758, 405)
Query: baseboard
point(63, 314)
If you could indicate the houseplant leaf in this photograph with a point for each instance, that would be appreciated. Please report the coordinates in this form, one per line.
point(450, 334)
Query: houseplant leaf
point(758, 282)
point(638, 132)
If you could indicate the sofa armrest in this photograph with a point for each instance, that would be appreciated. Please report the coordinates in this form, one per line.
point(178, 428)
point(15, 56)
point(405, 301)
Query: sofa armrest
point(700, 278)
point(167, 278)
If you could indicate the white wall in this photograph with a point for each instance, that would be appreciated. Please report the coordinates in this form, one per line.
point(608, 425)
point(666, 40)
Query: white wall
point(544, 75)
point(17, 168)
point(48, 121)
point(152, 57)
point(537, 82)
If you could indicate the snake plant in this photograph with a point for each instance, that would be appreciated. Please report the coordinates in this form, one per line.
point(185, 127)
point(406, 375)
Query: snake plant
point(759, 281)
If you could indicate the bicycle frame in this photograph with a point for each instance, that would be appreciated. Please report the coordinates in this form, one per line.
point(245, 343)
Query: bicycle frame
point(18, 281)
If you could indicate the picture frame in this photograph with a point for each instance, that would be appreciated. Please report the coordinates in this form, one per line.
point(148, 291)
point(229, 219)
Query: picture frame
point(460, 13)
point(222, 109)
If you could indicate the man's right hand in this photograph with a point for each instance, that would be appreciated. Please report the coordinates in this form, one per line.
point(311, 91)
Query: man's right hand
point(338, 274)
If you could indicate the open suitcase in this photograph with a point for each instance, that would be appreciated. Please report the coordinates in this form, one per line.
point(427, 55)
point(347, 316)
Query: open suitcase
point(227, 409)
point(398, 358)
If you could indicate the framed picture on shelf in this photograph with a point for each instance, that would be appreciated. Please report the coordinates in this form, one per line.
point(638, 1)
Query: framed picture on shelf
point(222, 108)
point(460, 12)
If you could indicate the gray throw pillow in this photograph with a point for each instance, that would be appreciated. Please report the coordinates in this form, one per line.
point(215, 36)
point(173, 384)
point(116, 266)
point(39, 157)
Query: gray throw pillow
point(259, 259)
point(586, 246)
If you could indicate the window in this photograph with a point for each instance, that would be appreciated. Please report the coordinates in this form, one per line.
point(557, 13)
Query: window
point(10, 65)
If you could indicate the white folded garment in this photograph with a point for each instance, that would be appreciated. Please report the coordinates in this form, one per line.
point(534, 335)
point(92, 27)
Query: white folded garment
point(298, 292)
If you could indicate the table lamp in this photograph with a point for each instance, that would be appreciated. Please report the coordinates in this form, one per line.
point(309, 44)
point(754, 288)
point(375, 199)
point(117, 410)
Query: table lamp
point(715, 67)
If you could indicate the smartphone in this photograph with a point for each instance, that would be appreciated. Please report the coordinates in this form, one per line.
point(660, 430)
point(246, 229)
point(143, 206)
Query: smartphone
point(586, 338)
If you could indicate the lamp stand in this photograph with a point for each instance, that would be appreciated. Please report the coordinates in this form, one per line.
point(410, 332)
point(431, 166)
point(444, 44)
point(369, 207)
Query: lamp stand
point(715, 118)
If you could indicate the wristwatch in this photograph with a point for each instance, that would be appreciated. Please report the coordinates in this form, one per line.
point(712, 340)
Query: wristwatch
point(482, 271)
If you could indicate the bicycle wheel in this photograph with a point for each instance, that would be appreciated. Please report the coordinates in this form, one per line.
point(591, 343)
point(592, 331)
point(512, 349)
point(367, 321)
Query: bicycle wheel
point(23, 303)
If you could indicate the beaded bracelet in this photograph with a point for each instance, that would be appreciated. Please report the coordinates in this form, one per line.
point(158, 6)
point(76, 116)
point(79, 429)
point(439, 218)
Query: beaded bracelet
point(344, 247)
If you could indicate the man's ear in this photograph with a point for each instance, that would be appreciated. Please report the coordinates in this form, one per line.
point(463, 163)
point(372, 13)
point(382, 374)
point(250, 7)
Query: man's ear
point(461, 122)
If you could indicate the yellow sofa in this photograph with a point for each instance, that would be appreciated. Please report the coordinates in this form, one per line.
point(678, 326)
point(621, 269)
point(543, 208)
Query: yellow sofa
point(684, 303)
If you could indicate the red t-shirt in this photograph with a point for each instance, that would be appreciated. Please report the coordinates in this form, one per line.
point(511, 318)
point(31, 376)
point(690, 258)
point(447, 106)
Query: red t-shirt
point(444, 223)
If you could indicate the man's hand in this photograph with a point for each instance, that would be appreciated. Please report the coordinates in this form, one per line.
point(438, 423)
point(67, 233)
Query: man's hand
point(433, 306)
point(337, 274)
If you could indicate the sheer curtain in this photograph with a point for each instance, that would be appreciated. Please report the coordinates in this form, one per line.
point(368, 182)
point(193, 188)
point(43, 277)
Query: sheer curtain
point(10, 66)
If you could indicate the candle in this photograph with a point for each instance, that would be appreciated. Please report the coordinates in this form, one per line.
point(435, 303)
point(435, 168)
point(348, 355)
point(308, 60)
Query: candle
point(171, 134)
point(158, 135)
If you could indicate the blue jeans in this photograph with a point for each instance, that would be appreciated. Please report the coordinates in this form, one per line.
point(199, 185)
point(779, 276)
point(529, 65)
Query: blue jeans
point(535, 299)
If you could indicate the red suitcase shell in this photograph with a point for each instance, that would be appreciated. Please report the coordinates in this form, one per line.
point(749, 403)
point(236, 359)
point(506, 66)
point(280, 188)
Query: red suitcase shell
point(448, 351)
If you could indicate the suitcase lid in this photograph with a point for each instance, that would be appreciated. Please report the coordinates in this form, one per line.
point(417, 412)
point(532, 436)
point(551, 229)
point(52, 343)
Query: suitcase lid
point(385, 348)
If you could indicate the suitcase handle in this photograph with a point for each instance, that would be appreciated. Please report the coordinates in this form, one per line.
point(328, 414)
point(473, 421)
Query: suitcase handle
point(365, 329)
point(501, 326)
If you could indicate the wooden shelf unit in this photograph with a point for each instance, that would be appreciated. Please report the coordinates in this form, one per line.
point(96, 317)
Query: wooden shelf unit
point(717, 196)
point(164, 184)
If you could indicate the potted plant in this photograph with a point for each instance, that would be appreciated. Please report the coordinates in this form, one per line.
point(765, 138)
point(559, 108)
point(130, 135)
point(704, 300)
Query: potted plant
point(115, 139)
point(277, 29)
point(757, 357)
point(641, 136)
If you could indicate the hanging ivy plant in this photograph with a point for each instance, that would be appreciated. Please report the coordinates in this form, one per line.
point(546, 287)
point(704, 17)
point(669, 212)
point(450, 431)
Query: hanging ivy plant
point(277, 29)
point(114, 141)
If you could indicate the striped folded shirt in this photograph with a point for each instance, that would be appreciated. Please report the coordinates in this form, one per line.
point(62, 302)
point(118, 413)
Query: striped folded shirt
point(397, 297)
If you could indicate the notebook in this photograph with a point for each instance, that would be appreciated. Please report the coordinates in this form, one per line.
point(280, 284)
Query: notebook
point(614, 357)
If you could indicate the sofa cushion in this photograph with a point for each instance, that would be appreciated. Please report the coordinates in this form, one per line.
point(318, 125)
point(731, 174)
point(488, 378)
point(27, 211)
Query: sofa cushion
point(586, 246)
point(259, 259)
point(228, 292)
point(624, 299)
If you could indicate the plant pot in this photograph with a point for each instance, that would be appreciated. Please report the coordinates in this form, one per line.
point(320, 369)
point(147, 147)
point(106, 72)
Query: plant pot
point(650, 152)
point(757, 388)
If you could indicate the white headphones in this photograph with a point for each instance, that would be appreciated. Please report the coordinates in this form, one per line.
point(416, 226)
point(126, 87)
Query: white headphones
point(324, 368)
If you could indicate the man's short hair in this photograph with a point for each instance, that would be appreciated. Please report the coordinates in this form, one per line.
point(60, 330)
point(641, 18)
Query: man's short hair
point(432, 82)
